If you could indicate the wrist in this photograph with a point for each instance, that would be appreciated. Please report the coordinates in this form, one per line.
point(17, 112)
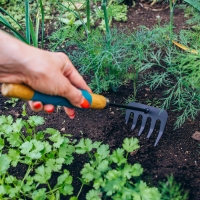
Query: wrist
point(13, 56)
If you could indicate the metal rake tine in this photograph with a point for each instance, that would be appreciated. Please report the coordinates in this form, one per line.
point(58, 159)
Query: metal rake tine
point(136, 115)
point(162, 127)
point(159, 136)
point(144, 120)
point(128, 112)
point(153, 122)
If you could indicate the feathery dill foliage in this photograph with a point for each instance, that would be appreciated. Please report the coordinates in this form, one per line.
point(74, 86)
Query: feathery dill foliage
point(142, 39)
point(105, 64)
point(179, 73)
point(172, 190)
point(64, 34)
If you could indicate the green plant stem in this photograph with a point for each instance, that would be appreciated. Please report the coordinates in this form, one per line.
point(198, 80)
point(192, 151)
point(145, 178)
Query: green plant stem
point(88, 14)
point(172, 6)
point(51, 191)
point(42, 14)
point(135, 82)
point(23, 137)
point(171, 20)
point(27, 173)
point(27, 18)
point(37, 27)
point(2, 179)
point(89, 155)
point(108, 34)
point(127, 155)
point(80, 190)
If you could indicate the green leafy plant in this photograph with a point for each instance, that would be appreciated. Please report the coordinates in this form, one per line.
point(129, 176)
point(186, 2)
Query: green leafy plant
point(169, 68)
point(106, 64)
point(76, 15)
point(63, 35)
point(109, 173)
point(31, 27)
point(44, 153)
point(12, 101)
point(22, 145)
point(172, 190)
point(73, 15)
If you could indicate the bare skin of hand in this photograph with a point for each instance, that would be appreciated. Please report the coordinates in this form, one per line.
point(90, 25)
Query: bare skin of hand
point(47, 72)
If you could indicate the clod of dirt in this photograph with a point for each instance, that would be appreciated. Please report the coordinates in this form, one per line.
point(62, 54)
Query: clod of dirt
point(196, 135)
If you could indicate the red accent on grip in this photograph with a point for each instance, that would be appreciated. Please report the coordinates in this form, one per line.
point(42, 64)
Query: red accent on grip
point(85, 104)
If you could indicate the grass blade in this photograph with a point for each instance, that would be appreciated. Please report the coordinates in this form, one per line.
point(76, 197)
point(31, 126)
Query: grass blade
point(33, 34)
point(194, 3)
point(4, 11)
point(42, 13)
point(16, 33)
point(27, 18)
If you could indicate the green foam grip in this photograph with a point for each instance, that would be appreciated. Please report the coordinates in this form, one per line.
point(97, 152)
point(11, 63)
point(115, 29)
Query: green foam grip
point(58, 100)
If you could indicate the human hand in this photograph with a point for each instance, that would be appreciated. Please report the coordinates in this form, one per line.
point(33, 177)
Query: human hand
point(74, 81)
point(44, 71)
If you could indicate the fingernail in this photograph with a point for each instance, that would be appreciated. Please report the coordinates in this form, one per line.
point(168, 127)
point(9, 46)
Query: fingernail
point(49, 111)
point(85, 104)
point(71, 116)
point(36, 105)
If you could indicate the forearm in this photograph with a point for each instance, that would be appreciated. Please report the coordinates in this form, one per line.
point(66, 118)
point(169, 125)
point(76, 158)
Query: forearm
point(19, 61)
point(11, 57)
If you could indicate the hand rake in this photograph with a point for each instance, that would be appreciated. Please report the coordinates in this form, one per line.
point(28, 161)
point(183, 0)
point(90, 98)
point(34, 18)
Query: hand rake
point(96, 102)
point(147, 112)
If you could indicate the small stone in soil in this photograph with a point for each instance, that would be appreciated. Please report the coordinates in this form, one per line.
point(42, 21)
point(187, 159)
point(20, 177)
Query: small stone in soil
point(196, 135)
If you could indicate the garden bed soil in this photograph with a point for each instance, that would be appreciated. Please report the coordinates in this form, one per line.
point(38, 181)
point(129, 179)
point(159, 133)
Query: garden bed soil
point(177, 152)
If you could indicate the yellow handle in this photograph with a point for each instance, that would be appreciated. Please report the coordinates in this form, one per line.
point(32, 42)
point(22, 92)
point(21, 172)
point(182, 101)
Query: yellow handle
point(26, 93)
point(13, 90)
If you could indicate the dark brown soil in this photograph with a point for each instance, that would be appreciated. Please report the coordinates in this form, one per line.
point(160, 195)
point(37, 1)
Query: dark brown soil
point(177, 153)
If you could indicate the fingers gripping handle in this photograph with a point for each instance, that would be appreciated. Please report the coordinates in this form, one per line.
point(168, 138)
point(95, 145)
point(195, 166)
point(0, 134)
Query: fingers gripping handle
point(26, 93)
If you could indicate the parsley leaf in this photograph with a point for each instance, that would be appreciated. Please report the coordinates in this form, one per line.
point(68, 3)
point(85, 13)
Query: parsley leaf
point(32, 149)
point(85, 145)
point(118, 157)
point(14, 140)
point(35, 120)
point(4, 163)
point(15, 156)
point(103, 151)
point(64, 182)
point(89, 173)
point(55, 164)
point(42, 174)
point(130, 144)
point(57, 139)
point(39, 194)
point(137, 170)
point(93, 195)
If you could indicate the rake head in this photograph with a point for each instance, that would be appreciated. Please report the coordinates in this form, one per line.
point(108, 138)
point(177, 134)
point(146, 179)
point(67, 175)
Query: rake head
point(154, 113)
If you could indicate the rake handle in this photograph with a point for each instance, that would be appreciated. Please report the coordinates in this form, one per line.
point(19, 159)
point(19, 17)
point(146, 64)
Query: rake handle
point(24, 92)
